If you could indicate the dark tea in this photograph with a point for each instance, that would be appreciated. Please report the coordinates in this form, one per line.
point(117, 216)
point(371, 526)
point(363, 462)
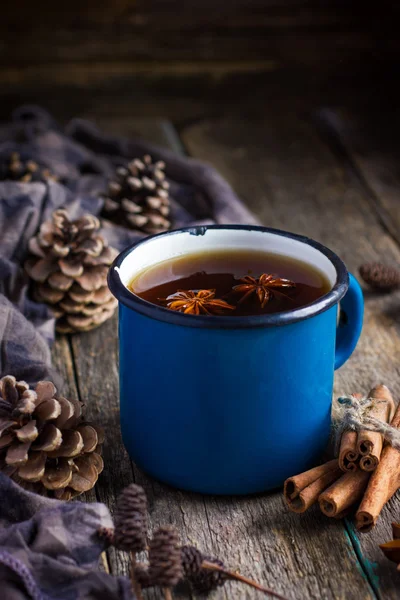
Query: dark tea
point(231, 283)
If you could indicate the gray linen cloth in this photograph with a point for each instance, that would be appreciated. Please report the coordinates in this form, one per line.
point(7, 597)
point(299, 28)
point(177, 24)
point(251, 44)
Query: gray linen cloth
point(49, 550)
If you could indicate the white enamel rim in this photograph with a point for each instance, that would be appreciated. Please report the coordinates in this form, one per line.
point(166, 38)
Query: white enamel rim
point(172, 244)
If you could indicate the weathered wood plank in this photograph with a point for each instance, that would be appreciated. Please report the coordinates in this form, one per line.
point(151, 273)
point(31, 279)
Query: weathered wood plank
point(63, 363)
point(169, 14)
point(183, 95)
point(134, 48)
point(95, 358)
point(371, 143)
point(292, 181)
point(288, 32)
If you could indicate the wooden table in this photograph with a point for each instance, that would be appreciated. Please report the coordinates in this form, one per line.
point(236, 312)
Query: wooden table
point(332, 177)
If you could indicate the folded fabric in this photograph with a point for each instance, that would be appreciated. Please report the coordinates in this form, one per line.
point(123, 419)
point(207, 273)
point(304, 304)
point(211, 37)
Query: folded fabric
point(49, 550)
point(24, 353)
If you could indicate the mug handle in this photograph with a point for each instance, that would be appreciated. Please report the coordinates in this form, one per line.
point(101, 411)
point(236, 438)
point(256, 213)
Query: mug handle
point(350, 322)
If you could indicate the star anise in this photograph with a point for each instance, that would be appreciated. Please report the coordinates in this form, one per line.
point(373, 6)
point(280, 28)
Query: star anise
point(265, 287)
point(392, 549)
point(197, 302)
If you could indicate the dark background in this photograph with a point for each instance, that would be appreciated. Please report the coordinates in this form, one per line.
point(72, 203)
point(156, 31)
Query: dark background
point(183, 59)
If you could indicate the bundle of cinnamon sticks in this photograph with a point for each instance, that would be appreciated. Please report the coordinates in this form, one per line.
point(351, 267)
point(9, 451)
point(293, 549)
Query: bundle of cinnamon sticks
point(366, 472)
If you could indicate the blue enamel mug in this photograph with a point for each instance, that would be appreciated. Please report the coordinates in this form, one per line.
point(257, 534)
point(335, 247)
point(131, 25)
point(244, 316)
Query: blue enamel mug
point(230, 405)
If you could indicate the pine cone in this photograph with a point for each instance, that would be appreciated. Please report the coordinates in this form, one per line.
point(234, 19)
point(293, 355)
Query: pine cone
point(202, 580)
point(69, 263)
point(207, 581)
point(192, 560)
point(44, 443)
point(379, 276)
point(139, 196)
point(27, 171)
point(165, 558)
point(131, 519)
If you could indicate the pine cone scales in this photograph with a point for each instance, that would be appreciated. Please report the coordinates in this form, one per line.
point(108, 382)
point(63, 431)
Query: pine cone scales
point(192, 560)
point(139, 196)
point(131, 519)
point(69, 263)
point(44, 442)
point(25, 171)
point(205, 581)
point(202, 580)
point(165, 558)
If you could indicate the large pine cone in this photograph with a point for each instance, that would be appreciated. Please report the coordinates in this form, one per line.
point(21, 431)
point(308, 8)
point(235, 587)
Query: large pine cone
point(138, 198)
point(26, 171)
point(69, 265)
point(44, 443)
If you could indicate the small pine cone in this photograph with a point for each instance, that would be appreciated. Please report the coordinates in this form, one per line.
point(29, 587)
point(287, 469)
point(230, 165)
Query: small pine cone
point(138, 197)
point(130, 534)
point(131, 519)
point(165, 557)
point(68, 264)
point(379, 276)
point(27, 171)
point(142, 575)
point(206, 580)
point(44, 441)
point(192, 559)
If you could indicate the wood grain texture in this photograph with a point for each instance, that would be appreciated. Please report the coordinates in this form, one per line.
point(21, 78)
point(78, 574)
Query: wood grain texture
point(371, 144)
point(64, 364)
point(96, 363)
point(293, 181)
point(168, 14)
point(75, 47)
point(327, 34)
point(184, 96)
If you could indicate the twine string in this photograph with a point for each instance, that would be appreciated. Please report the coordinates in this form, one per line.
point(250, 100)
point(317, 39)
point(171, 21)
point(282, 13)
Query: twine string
point(354, 414)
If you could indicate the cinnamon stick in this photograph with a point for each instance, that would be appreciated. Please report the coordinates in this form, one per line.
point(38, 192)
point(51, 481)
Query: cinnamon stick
point(302, 491)
point(384, 482)
point(370, 443)
point(348, 452)
point(345, 492)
